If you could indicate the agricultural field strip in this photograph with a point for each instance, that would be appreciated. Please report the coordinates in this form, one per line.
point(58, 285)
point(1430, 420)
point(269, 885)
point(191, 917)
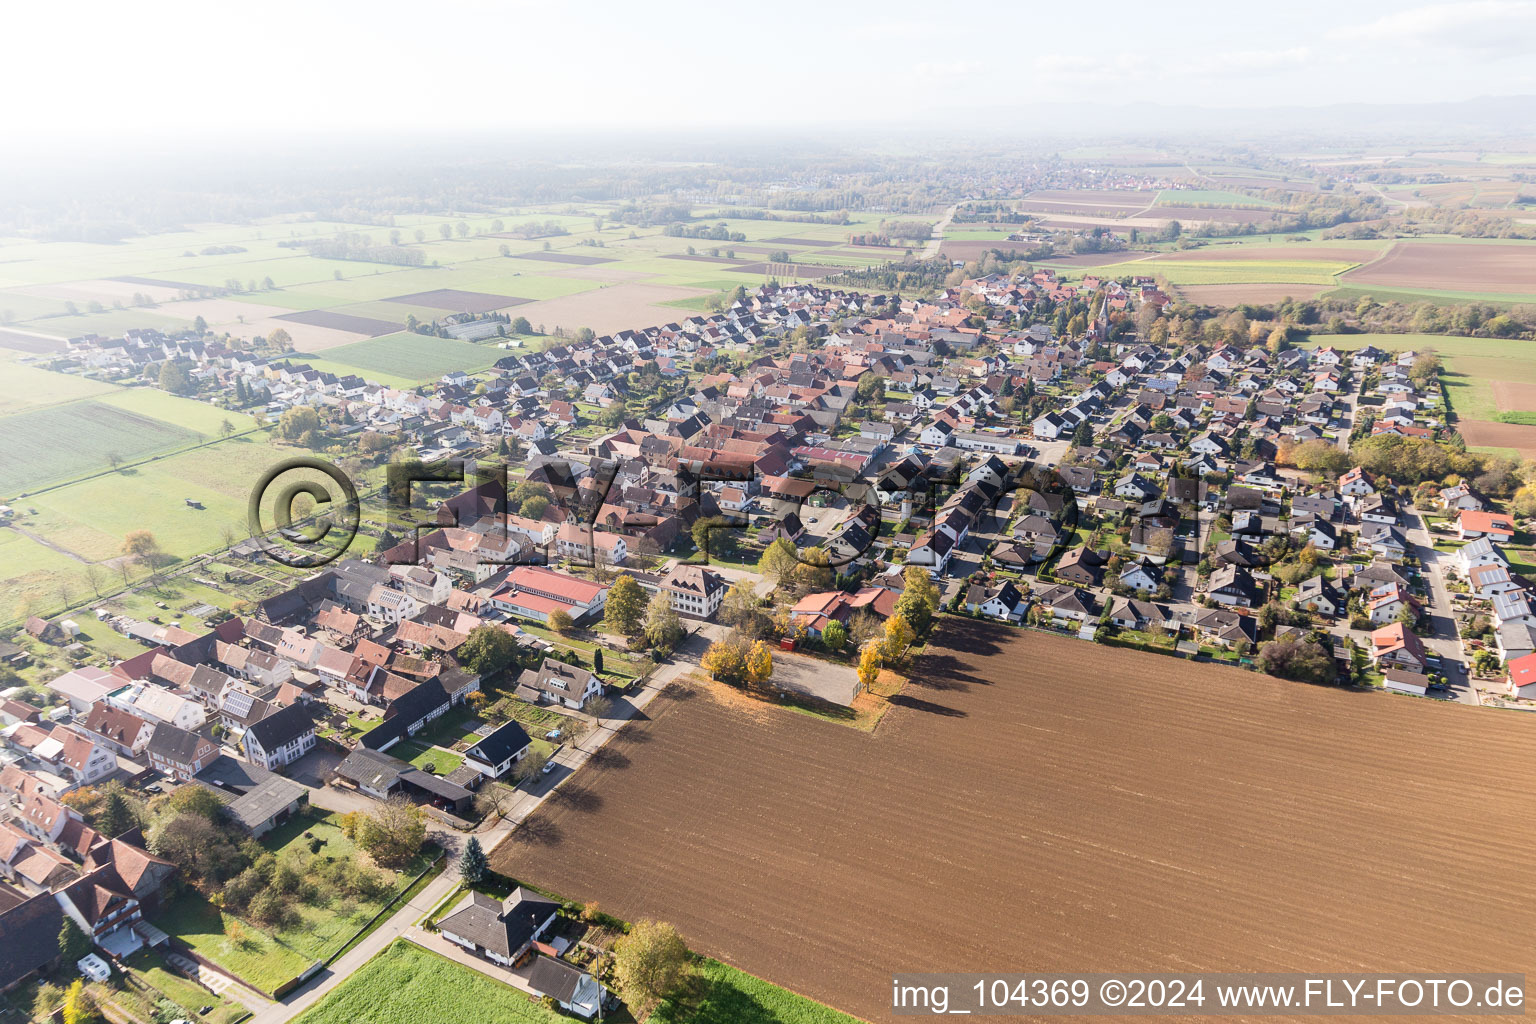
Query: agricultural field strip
point(1161, 815)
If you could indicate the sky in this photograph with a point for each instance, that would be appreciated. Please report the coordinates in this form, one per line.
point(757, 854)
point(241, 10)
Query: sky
point(168, 69)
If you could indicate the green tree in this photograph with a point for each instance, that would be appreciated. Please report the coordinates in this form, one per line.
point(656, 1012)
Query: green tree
point(663, 628)
point(488, 650)
point(834, 635)
point(297, 422)
point(712, 535)
point(74, 945)
point(597, 660)
point(173, 378)
point(472, 864)
point(116, 817)
point(393, 831)
point(625, 611)
point(651, 963)
point(779, 559)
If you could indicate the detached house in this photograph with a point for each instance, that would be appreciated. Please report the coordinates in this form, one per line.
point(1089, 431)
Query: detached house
point(1398, 646)
point(179, 753)
point(499, 930)
point(1002, 601)
point(494, 755)
point(281, 738)
point(122, 731)
point(557, 682)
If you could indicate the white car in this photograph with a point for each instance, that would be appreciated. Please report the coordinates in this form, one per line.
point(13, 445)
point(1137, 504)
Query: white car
point(549, 766)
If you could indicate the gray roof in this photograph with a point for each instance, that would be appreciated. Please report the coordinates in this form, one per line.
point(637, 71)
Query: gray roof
point(555, 978)
point(372, 769)
point(500, 745)
point(283, 726)
point(252, 794)
point(503, 928)
point(31, 932)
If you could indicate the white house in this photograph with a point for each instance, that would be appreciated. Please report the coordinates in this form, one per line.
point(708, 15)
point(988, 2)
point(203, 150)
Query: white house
point(281, 738)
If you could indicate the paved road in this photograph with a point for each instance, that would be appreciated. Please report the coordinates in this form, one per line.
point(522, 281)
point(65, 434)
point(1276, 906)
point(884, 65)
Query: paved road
point(569, 759)
point(1438, 628)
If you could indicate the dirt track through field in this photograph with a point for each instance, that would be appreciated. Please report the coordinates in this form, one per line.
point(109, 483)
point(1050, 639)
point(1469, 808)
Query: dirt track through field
point(1040, 803)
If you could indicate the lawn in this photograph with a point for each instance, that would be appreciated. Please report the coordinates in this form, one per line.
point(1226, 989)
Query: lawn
point(28, 387)
point(420, 756)
point(268, 960)
point(190, 996)
point(720, 994)
point(48, 445)
point(451, 730)
point(251, 955)
point(406, 984)
point(412, 356)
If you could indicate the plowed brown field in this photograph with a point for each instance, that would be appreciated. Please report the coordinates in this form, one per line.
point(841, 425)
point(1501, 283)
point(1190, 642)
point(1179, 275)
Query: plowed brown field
point(1041, 803)
point(1493, 434)
point(1474, 268)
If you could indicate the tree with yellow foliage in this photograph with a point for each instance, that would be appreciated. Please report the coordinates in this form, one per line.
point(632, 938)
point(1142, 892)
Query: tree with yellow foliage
point(869, 665)
point(726, 660)
point(899, 635)
point(759, 663)
point(79, 1007)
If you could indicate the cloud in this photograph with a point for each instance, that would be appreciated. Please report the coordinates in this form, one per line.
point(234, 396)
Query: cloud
point(1484, 26)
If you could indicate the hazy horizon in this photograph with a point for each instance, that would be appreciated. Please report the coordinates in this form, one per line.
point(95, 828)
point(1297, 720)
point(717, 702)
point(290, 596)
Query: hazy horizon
point(147, 77)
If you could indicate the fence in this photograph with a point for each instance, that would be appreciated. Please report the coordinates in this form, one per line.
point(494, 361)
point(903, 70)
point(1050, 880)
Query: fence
point(431, 868)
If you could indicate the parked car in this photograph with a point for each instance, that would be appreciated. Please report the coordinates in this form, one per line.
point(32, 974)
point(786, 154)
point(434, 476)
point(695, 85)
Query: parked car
point(549, 766)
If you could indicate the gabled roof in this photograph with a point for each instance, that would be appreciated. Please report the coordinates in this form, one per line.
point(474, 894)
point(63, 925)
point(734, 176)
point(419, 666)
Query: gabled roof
point(31, 937)
point(500, 745)
point(282, 727)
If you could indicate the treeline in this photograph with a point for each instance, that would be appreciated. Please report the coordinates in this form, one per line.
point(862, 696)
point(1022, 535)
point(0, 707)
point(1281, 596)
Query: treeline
point(354, 246)
point(714, 232)
point(1441, 220)
point(536, 229)
point(884, 240)
point(915, 230)
point(1368, 316)
point(985, 212)
point(918, 276)
point(788, 216)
